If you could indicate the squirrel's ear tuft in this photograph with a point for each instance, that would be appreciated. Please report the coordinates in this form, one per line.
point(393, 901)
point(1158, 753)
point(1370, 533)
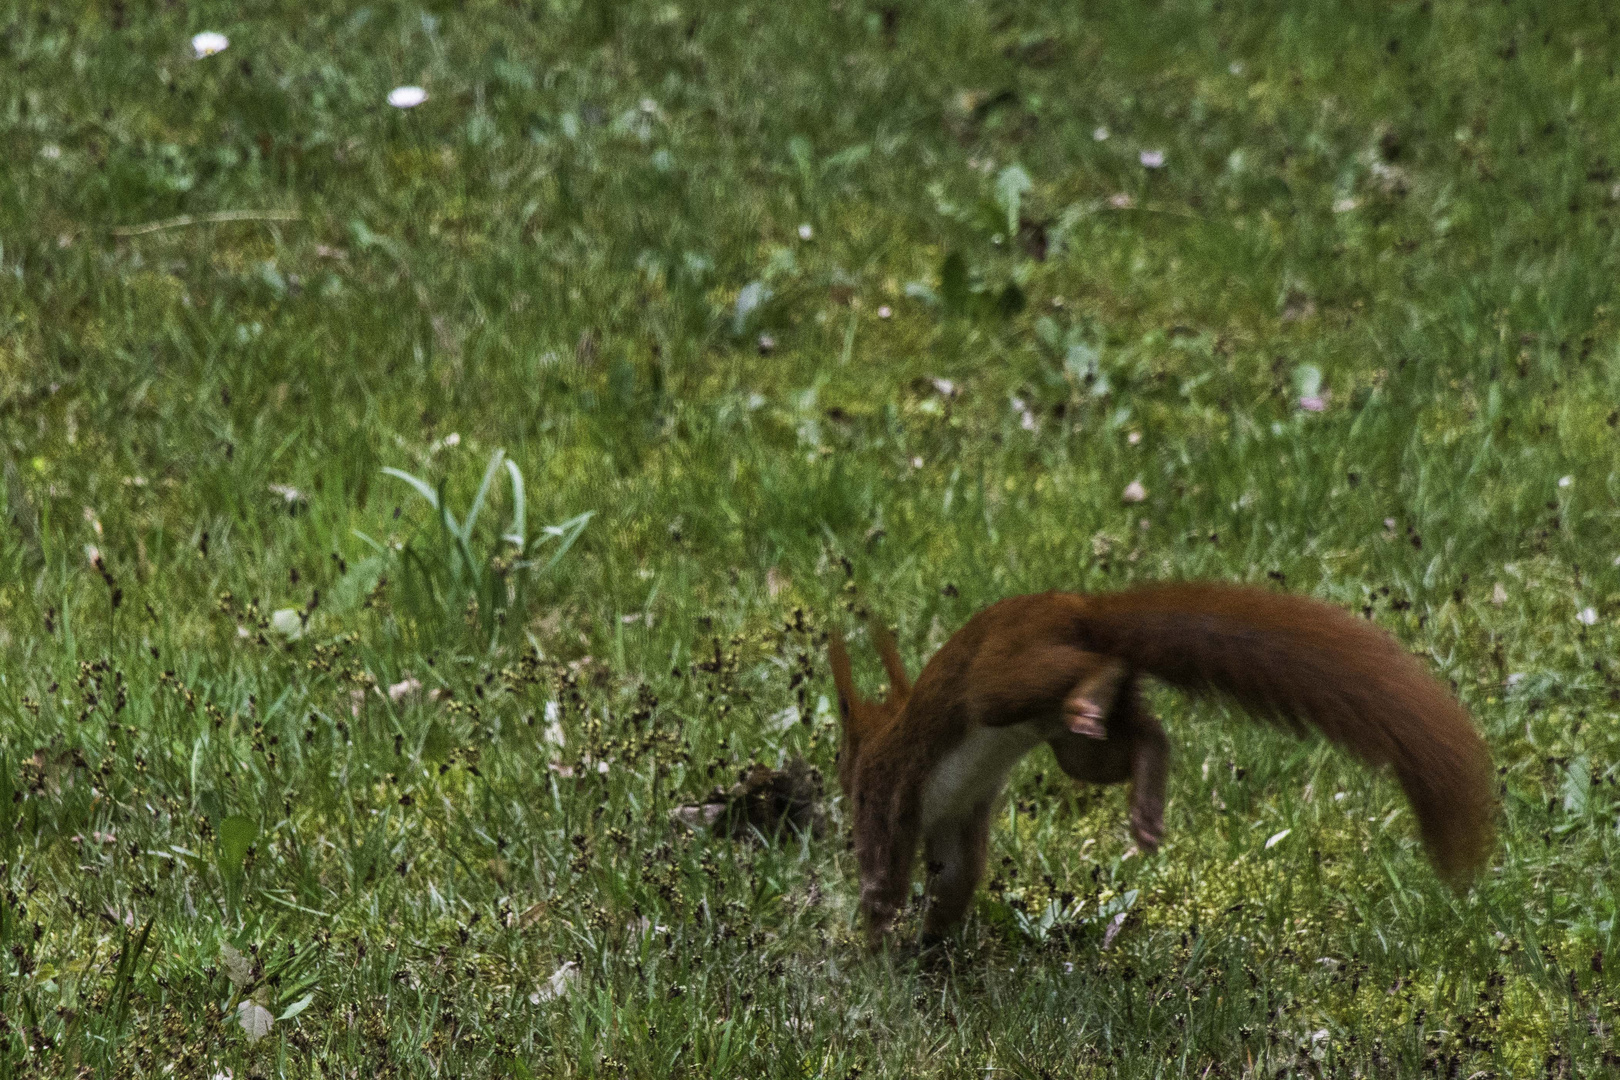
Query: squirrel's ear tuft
point(899, 681)
point(843, 680)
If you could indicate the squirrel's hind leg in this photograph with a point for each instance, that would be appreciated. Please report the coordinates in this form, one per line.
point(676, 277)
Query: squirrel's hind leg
point(1135, 749)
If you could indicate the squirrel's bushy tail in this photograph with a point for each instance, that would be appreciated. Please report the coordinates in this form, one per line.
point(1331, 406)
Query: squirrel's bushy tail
point(1292, 659)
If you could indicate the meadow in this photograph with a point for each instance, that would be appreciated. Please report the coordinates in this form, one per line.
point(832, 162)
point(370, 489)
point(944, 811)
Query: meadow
point(405, 509)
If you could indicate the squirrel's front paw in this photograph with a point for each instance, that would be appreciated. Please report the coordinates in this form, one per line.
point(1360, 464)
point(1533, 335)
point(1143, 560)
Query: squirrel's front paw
point(1148, 828)
point(880, 919)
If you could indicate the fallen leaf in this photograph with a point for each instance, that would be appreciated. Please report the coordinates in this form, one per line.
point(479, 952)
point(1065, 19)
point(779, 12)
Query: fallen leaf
point(556, 986)
point(698, 816)
point(405, 686)
point(255, 1020)
point(237, 967)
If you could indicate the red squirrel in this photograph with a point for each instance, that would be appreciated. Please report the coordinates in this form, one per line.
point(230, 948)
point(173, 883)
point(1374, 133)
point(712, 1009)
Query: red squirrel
point(927, 763)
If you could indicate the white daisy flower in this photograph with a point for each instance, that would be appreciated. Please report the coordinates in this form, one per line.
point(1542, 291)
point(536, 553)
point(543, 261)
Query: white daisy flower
point(208, 43)
point(406, 97)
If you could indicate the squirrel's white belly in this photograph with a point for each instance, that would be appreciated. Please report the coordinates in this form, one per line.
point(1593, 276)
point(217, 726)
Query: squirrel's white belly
point(973, 773)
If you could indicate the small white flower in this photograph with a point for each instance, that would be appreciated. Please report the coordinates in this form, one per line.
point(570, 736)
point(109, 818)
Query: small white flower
point(916, 463)
point(1134, 492)
point(1312, 403)
point(946, 387)
point(1134, 438)
point(1152, 159)
point(1565, 481)
point(1026, 418)
point(50, 152)
point(208, 43)
point(406, 97)
point(1235, 67)
point(806, 232)
point(1344, 206)
point(649, 106)
point(453, 439)
point(1587, 616)
point(1099, 133)
point(286, 621)
point(1499, 594)
point(885, 311)
point(1122, 201)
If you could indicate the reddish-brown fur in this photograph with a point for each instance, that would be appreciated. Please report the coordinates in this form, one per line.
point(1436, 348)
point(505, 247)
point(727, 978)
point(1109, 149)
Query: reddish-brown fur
point(926, 764)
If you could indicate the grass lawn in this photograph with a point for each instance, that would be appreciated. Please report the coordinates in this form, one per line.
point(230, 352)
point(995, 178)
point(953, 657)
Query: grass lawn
point(711, 327)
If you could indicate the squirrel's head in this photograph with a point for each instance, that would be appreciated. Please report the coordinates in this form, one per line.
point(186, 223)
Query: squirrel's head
point(862, 717)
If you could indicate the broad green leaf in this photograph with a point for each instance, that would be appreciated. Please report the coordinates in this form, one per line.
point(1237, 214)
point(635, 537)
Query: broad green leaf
point(519, 533)
point(1577, 786)
point(1012, 184)
point(297, 1007)
point(423, 488)
point(477, 506)
point(566, 533)
point(953, 282)
point(436, 746)
point(236, 834)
